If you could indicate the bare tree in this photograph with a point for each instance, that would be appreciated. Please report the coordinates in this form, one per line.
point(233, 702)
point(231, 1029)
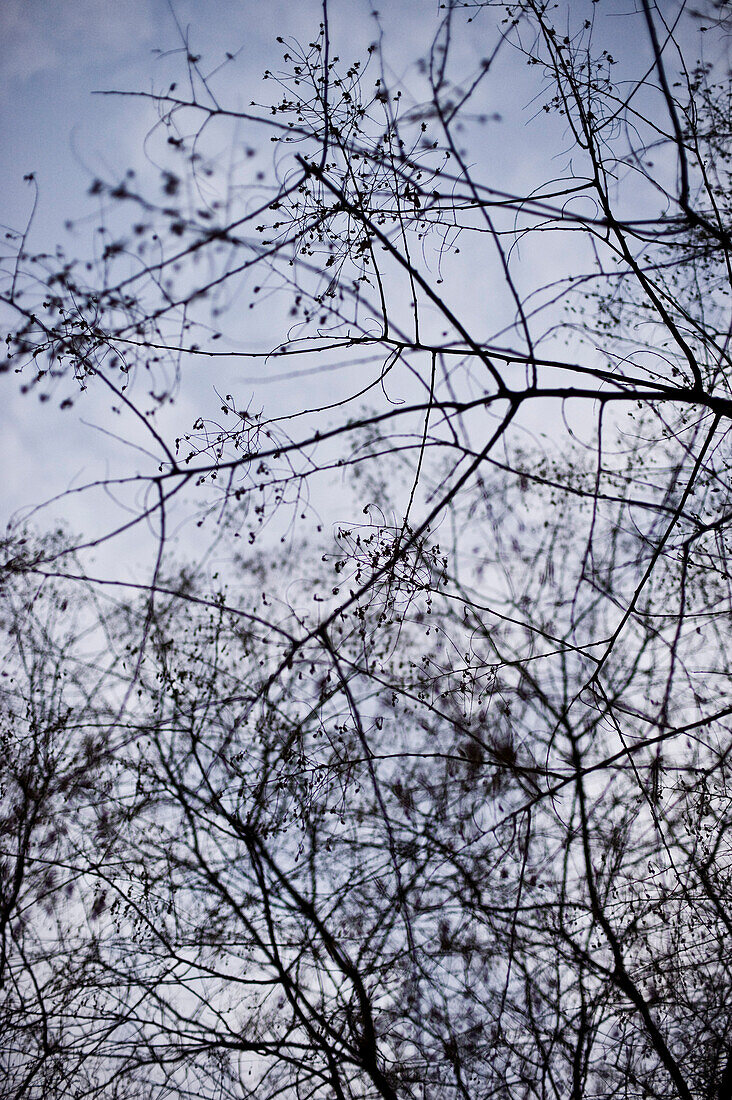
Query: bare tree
point(430, 798)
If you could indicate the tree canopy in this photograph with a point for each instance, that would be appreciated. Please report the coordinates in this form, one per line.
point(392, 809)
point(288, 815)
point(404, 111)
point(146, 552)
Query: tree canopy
point(401, 769)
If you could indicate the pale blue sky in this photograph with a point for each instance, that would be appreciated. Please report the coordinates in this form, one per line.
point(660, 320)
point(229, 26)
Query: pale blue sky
point(56, 53)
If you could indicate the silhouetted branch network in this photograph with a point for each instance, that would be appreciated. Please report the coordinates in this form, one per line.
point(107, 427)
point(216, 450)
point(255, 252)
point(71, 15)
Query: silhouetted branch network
point(404, 770)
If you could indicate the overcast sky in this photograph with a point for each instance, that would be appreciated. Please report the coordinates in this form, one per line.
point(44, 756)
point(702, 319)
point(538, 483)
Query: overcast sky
point(57, 53)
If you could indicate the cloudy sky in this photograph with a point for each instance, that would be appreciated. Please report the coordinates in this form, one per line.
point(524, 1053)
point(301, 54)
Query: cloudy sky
point(57, 53)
